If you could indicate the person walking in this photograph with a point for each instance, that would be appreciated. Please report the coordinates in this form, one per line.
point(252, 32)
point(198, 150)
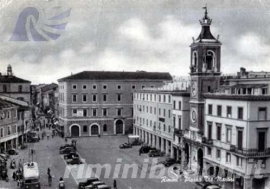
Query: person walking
point(61, 183)
point(48, 171)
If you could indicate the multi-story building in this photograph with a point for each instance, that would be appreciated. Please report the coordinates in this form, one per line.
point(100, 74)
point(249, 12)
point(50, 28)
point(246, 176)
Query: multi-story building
point(101, 102)
point(236, 135)
point(8, 125)
point(160, 115)
point(15, 87)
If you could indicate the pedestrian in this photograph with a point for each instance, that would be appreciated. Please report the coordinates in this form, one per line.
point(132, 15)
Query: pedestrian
point(61, 183)
point(114, 184)
point(48, 171)
point(14, 176)
point(48, 136)
point(50, 180)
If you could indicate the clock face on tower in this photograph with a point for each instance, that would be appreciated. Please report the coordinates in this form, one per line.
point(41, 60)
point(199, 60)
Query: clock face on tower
point(193, 115)
point(193, 88)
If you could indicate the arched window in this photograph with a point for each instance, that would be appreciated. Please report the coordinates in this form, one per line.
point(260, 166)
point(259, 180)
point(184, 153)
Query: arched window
point(105, 128)
point(4, 88)
point(210, 60)
point(195, 59)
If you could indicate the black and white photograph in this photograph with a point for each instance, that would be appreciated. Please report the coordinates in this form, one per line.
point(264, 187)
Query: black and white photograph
point(134, 94)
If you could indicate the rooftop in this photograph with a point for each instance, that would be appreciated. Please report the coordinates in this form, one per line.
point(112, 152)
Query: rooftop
point(114, 75)
point(5, 104)
point(12, 79)
point(237, 97)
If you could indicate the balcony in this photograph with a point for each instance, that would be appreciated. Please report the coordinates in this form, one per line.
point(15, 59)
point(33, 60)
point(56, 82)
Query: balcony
point(178, 132)
point(207, 141)
point(250, 152)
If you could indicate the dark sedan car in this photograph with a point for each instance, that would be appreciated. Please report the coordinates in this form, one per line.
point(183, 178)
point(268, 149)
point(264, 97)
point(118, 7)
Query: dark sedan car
point(12, 151)
point(74, 161)
point(67, 146)
point(125, 145)
point(136, 143)
point(71, 156)
point(87, 182)
point(146, 149)
point(155, 153)
point(168, 162)
point(67, 151)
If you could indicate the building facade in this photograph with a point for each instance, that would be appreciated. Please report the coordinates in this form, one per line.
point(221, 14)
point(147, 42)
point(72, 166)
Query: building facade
point(101, 103)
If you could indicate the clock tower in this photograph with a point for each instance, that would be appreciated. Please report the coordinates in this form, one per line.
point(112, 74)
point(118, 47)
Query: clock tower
point(204, 71)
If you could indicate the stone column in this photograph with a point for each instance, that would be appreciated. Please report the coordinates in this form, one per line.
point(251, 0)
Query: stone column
point(153, 141)
point(162, 145)
point(172, 151)
point(150, 139)
point(177, 154)
point(157, 142)
point(183, 157)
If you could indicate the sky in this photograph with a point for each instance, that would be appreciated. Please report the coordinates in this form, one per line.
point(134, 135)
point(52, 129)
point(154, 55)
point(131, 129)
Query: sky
point(130, 35)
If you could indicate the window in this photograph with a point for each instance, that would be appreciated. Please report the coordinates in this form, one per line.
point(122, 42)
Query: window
point(264, 91)
point(169, 113)
point(104, 97)
point(262, 139)
point(94, 112)
point(218, 154)
point(174, 120)
point(94, 97)
point(84, 112)
point(210, 109)
point(209, 130)
point(150, 109)
point(119, 111)
point(240, 113)
point(174, 104)
point(9, 131)
point(4, 88)
point(239, 161)
point(74, 98)
point(85, 129)
point(84, 86)
point(104, 86)
point(210, 60)
point(84, 97)
point(164, 112)
point(119, 97)
point(20, 88)
point(159, 111)
point(94, 86)
point(194, 59)
point(240, 139)
point(209, 151)
point(118, 86)
point(155, 111)
point(262, 113)
point(169, 129)
point(164, 127)
point(179, 122)
point(228, 157)
point(1, 132)
point(74, 86)
point(179, 105)
point(133, 87)
point(169, 98)
point(105, 128)
point(219, 110)
point(229, 111)
point(74, 112)
point(104, 112)
point(143, 87)
point(228, 134)
point(164, 98)
point(218, 131)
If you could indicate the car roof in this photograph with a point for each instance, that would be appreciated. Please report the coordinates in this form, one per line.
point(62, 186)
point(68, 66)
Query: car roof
point(212, 187)
point(97, 182)
point(103, 186)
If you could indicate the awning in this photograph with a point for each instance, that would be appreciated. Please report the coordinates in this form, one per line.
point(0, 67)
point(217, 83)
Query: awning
point(133, 136)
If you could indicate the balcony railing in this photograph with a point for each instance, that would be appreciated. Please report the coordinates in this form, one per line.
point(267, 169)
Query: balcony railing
point(250, 152)
point(207, 141)
point(178, 132)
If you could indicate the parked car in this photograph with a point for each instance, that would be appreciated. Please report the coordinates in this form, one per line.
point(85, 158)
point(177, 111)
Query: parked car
point(67, 145)
point(155, 153)
point(136, 143)
point(12, 151)
point(208, 185)
point(74, 161)
point(87, 182)
point(67, 150)
point(94, 185)
point(125, 145)
point(168, 162)
point(146, 149)
point(4, 156)
point(103, 187)
point(71, 155)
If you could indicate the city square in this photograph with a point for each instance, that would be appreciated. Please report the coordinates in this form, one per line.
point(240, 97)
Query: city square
point(134, 94)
